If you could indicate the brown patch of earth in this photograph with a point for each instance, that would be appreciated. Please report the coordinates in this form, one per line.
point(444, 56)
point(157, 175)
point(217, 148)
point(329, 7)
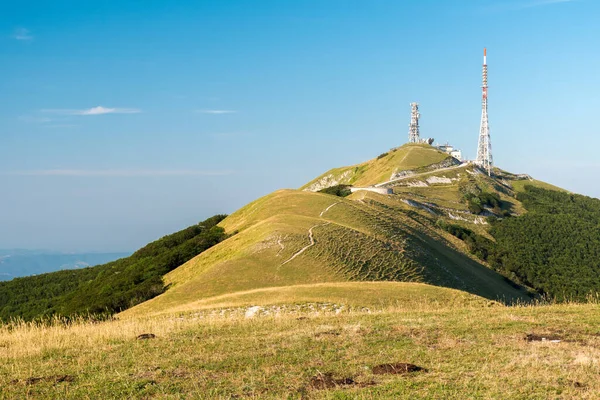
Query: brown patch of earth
point(578, 384)
point(145, 336)
point(397, 369)
point(328, 333)
point(533, 337)
point(327, 381)
point(38, 379)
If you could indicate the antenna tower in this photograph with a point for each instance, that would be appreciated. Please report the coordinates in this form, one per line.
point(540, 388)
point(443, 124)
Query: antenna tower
point(413, 131)
point(484, 149)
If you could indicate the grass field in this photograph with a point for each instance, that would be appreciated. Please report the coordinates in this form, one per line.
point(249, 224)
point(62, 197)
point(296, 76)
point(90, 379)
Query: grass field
point(372, 238)
point(407, 157)
point(520, 185)
point(468, 347)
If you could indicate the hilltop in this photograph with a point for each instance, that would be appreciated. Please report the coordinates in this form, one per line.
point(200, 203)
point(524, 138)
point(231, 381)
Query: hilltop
point(433, 220)
point(395, 163)
point(293, 237)
point(445, 223)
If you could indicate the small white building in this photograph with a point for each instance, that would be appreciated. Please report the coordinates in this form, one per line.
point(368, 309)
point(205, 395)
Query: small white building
point(447, 148)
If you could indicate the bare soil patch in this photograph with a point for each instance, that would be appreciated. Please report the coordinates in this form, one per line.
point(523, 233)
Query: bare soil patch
point(328, 333)
point(533, 337)
point(39, 379)
point(145, 336)
point(397, 369)
point(327, 381)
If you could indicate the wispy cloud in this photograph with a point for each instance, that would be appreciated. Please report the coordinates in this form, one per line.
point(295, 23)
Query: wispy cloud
point(216, 111)
point(522, 5)
point(93, 111)
point(123, 173)
point(22, 34)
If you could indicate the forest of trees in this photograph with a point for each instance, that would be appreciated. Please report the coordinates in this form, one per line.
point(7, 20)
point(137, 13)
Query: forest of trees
point(109, 288)
point(554, 248)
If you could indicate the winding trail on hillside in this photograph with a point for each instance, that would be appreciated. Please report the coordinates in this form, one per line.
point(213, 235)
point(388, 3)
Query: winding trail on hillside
point(310, 235)
point(280, 243)
point(327, 209)
point(312, 243)
point(420, 174)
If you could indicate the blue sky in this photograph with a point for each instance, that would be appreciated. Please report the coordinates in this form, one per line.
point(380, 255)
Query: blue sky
point(122, 121)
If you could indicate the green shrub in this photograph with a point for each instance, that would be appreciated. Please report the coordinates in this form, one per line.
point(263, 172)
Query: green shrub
point(338, 190)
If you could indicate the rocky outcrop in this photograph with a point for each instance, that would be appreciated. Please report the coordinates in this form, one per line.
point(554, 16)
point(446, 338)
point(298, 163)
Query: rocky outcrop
point(330, 180)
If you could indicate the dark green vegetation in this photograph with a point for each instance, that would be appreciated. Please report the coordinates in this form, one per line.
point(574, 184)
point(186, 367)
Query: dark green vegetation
point(338, 190)
point(108, 288)
point(478, 245)
point(553, 248)
point(478, 200)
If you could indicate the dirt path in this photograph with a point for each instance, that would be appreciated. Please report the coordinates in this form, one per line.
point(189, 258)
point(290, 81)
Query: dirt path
point(327, 209)
point(312, 243)
point(310, 235)
point(420, 174)
point(280, 243)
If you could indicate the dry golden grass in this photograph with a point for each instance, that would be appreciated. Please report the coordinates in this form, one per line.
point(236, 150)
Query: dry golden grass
point(470, 350)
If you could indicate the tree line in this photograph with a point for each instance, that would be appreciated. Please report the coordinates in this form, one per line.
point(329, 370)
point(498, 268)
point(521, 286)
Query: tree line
point(554, 248)
point(110, 288)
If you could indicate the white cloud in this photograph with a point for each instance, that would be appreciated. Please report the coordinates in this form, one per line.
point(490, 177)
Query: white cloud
point(123, 173)
point(94, 111)
point(216, 111)
point(22, 34)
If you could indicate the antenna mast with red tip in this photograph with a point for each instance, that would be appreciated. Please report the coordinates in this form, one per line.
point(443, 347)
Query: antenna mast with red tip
point(484, 148)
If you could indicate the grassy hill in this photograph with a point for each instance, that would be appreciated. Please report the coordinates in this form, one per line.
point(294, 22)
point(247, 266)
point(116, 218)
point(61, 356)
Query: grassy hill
point(410, 157)
point(445, 224)
point(365, 237)
point(438, 228)
point(310, 344)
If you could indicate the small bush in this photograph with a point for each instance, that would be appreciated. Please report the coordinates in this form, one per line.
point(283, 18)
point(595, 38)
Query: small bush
point(338, 190)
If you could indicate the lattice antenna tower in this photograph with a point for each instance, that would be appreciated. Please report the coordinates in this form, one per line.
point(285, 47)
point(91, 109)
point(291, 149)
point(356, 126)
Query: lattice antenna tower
point(484, 148)
point(413, 131)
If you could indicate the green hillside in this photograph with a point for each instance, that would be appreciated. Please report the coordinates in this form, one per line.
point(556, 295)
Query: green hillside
point(503, 237)
point(445, 224)
point(366, 237)
point(108, 288)
point(410, 157)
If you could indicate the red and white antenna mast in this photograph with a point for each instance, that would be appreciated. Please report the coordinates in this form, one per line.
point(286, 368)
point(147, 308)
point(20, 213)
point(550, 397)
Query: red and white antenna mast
point(484, 149)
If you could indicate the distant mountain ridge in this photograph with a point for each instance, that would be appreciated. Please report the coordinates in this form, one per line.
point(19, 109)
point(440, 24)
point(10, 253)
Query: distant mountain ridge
point(19, 263)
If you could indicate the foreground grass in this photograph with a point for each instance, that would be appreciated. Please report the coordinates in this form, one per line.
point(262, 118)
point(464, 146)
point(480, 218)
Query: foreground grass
point(476, 350)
